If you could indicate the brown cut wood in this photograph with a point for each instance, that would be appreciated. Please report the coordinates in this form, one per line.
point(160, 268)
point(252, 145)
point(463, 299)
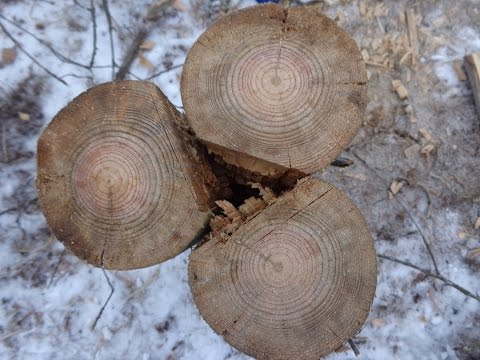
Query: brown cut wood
point(472, 66)
point(273, 89)
point(119, 183)
point(295, 281)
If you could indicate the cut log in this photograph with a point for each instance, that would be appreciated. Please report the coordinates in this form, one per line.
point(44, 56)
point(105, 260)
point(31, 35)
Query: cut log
point(472, 65)
point(273, 89)
point(118, 182)
point(295, 281)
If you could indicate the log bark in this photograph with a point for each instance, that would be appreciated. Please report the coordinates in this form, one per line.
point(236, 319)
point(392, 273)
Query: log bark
point(273, 89)
point(119, 181)
point(295, 281)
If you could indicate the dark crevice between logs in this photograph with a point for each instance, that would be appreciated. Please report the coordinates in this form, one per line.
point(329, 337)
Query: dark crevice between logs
point(236, 193)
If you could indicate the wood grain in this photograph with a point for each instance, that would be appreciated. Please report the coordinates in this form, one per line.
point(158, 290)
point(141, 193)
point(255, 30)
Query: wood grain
point(284, 86)
point(295, 281)
point(117, 182)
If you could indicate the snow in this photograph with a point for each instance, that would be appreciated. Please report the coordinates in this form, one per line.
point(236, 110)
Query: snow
point(50, 299)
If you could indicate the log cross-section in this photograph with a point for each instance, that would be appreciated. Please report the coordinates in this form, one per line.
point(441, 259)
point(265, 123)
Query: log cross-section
point(118, 183)
point(295, 281)
point(272, 89)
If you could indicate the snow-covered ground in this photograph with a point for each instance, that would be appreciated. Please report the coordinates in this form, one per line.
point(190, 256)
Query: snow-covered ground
point(50, 299)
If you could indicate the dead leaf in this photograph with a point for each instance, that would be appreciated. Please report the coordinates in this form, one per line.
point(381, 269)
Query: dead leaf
point(147, 45)
point(145, 62)
point(8, 55)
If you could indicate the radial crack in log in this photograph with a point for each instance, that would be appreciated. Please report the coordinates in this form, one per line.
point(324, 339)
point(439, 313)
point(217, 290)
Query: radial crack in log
point(294, 281)
point(120, 182)
point(286, 88)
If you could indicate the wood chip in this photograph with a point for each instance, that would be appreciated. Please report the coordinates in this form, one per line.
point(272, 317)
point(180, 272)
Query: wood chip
point(365, 55)
point(179, 5)
point(472, 65)
point(461, 235)
point(427, 149)
point(426, 134)
point(362, 8)
point(412, 34)
point(472, 254)
point(143, 61)
point(400, 89)
point(360, 177)
point(23, 116)
point(8, 55)
point(395, 187)
point(411, 151)
point(147, 45)
point(457, 65)
point(378, 322)
point(477, 223)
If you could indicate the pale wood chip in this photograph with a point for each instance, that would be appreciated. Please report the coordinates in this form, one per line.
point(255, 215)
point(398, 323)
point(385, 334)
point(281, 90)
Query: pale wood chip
point(179, 5)
point(412, 34)
point(426, 134)
point(461, 235)
point(356, 176)
point(23, 116)
point(362, 8)
point(395, 187)
point(457, 65)
point(365, 55)
point(411, 151)
point(147, 45)
point(378, 322)
point(427, 149)
point(143, 61)
point(477, 223)
point(400, 89)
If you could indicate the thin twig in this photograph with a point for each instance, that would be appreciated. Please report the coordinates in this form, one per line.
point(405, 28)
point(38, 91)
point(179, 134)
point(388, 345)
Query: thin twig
point(112, 290)
point(354, 347)
point(407, 211)
point(164, 71)
point(94, 30)
point(60, 258)
point(131, 53)
point(30, 56)
point(60, 56)
point(110, 32)
point(4, 143)
point(430, 274)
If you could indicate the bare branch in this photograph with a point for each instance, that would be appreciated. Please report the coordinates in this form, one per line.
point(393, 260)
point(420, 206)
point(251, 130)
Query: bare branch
point(164, 71)
point(110, 32)
point(91, 9)
point(435, 276)
point(112, 290)
point(30, 56)
point(407, 211)
point(44, 43)
point(131, 53)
